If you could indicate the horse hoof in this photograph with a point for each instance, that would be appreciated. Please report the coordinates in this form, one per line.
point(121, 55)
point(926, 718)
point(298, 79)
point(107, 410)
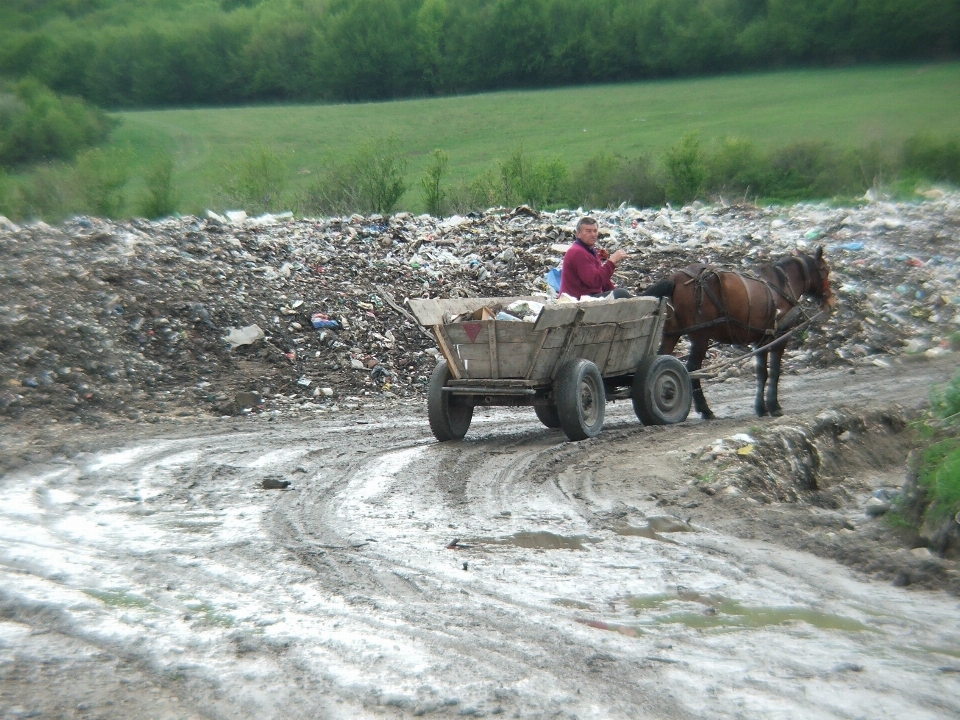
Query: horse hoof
point(707, 415)
point(776, 413)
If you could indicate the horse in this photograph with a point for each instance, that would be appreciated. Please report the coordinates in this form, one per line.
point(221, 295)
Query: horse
point(742, 308)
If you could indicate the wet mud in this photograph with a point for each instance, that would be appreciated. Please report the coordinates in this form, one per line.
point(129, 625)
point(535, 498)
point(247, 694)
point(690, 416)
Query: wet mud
point(158, 576)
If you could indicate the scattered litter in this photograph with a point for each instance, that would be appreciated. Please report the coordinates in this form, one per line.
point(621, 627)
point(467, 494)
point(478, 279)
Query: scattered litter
point(156, 307)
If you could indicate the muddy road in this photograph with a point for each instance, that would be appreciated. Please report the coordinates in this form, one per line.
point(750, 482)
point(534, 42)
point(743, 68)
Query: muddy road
point(512, 573)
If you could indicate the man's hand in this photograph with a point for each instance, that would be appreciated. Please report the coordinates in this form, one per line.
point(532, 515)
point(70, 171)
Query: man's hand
point(617, 257)
point(602, 254)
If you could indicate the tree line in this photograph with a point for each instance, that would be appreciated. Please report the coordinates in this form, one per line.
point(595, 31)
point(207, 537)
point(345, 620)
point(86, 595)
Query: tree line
point(120, 54)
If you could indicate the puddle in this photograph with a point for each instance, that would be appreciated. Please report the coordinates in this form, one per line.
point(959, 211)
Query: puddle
point(541, 541)
point(721, 612)
point(207, 614)
point(656, 525)
point(119, 598)
point(576, 604)
point(195, 526)
point(646, 532)
point(627, 630)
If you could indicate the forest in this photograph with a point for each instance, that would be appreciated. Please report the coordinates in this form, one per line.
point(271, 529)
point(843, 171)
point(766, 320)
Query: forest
point(166, 53)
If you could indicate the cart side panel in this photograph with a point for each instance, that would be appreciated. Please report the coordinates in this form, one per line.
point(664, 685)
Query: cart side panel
point(490, 349)
point(632, 346)
point(593, 343)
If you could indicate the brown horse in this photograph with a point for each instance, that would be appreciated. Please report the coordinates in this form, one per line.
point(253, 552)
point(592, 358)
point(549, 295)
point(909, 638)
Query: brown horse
point(742, 308)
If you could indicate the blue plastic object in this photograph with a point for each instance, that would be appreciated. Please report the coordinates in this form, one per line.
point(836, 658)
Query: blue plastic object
point(553, 279)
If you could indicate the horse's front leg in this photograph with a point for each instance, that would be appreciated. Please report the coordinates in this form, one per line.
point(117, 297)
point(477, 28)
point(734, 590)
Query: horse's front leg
point(773, 404)
point(759, 405)
point(698, 350)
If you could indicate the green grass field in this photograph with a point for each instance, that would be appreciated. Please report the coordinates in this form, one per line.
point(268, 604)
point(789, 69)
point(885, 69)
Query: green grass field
point(847, 107)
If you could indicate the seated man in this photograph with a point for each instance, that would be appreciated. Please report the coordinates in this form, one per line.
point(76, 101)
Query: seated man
point(586, 268)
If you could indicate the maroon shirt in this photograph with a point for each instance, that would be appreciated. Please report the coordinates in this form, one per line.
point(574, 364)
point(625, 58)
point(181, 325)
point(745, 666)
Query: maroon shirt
point(583, 273)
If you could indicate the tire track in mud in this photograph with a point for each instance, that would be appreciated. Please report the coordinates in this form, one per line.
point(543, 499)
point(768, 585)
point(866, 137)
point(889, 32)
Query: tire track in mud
point(493, 637)
point(338, 599)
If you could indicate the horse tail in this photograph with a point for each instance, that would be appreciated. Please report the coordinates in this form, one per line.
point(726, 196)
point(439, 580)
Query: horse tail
point(661, 289)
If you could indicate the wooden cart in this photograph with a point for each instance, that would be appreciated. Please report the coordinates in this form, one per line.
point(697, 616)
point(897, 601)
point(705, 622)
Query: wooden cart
point(566, 364)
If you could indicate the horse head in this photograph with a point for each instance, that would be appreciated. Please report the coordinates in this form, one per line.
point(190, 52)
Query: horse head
point(816, 274)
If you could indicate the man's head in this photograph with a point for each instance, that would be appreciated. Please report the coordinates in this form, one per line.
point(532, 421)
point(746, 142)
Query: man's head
point(587, 231)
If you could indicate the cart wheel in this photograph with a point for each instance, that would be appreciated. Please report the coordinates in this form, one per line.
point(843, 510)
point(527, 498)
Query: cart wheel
point(581, 400)
point(547, 414)
point(661, 391)
point(449, 414)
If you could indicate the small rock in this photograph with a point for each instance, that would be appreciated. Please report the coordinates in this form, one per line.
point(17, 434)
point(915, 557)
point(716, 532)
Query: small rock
point(876, 507)
point(247, 399)
point(274, 484)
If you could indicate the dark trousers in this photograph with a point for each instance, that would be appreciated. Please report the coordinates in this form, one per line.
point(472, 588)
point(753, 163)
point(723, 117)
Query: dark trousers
point(618, 294)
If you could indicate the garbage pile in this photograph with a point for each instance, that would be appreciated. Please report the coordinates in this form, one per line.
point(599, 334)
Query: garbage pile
point(232, 314)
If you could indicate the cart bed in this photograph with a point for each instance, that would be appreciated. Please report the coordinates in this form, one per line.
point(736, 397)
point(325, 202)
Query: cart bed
point(614, 334)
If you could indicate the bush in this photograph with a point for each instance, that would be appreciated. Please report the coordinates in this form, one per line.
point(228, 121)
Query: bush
point(6, 195)
point(532, 180)
point(100, 176)
point(932, 492)
point(638, 183)
point(161, 199)
point(433, 194)
point(44, 194)
point(808, 169)
point(591, 185)
point(736, 167)
point(685, 171)
point(479, 193)
point(36, 124)
point(372, 180)
point(933, 159)
point(256, 180)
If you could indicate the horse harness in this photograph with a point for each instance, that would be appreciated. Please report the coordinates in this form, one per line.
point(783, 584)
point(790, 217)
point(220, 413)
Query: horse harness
point(789, 318)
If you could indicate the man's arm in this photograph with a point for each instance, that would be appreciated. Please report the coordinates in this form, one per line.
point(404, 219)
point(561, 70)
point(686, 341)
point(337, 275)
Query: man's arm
point(592, 275)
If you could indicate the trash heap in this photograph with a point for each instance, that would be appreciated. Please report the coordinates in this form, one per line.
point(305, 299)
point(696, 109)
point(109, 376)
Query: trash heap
point(235, 314)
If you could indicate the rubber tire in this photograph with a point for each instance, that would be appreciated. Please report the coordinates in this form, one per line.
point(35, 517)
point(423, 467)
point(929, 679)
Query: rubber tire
point(449, 415)
point(662, 392)
point(547, 414)
point(581, 399)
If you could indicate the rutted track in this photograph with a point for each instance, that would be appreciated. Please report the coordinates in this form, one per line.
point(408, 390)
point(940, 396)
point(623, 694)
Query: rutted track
point(160, 580)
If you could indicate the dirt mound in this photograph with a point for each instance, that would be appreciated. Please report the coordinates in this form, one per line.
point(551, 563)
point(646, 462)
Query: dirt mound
point(130, 319)
point(825, 485)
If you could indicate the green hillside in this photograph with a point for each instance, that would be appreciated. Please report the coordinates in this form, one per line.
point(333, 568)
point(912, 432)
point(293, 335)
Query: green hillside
point(176, 53)
point(848, 107)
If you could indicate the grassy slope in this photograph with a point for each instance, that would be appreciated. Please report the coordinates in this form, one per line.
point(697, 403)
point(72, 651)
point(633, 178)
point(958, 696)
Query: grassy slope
point(844, 106)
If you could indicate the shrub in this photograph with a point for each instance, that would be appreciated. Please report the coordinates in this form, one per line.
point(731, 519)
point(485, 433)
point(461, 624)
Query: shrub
point(685, 171)
point(372, 180)
point(736, 167)
point(6, 195)
point(381, 166)
point(932, 158)
point(256, 180)
point(44, 194)
point(479, 193)
point(532, 180)
point(161, 199)
point(100, 176)
point(803, 170)
point(433, 194)
point(638, 183)
point(591, 184)
point(36, 124)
